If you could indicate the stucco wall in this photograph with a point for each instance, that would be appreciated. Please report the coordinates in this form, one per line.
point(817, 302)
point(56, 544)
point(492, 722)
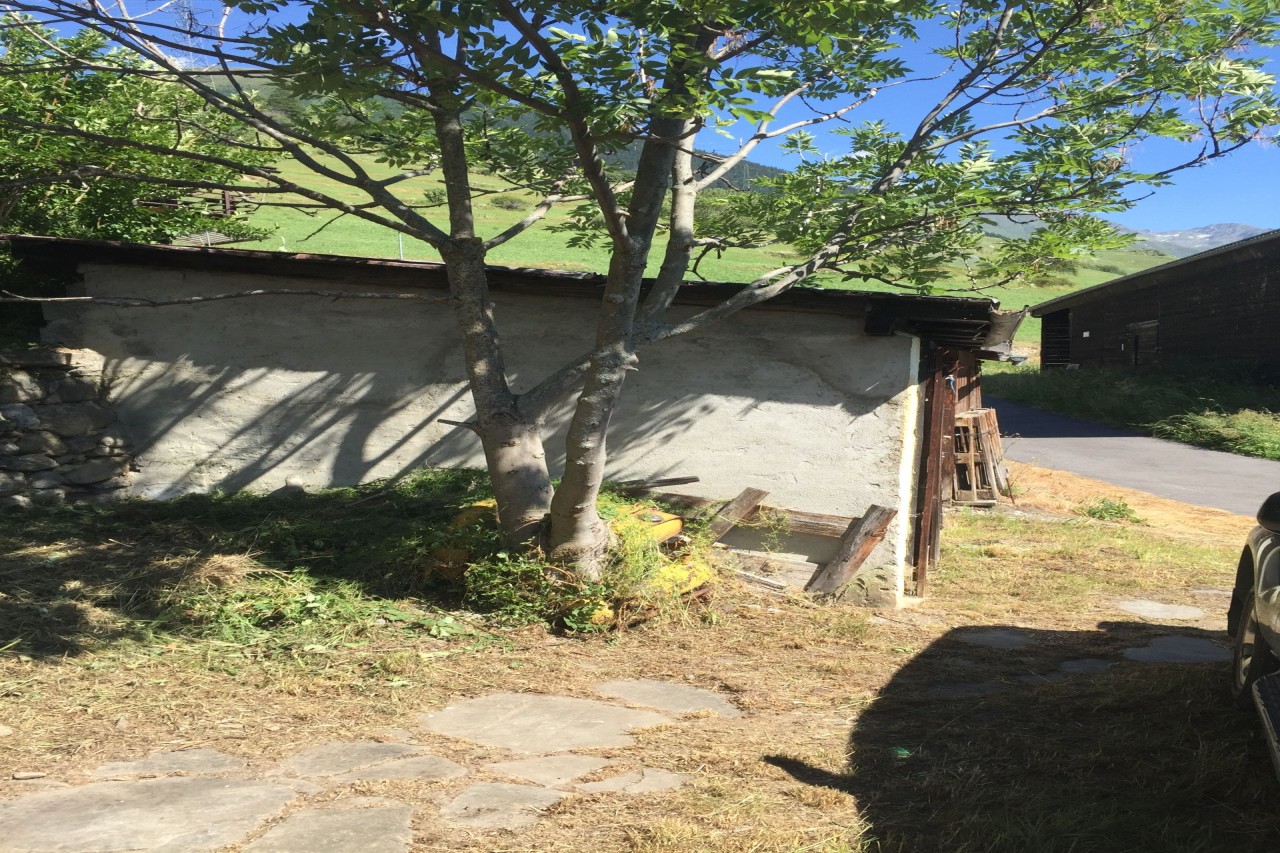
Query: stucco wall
point(268, 390)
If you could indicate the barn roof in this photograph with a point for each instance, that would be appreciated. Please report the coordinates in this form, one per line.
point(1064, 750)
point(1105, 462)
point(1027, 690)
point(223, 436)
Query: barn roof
point(969, 323)
point(1256, 247)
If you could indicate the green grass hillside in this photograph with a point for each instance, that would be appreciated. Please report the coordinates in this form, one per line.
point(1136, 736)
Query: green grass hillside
point(543, 246)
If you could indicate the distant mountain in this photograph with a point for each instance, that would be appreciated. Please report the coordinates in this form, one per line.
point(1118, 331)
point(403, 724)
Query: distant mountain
point(1178, 244)
point(1191, 241)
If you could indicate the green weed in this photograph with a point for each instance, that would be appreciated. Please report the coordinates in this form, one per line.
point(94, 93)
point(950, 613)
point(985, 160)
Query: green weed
point(1110, 509)
point(1247, 432)
point(523, 588)
point(300, 571)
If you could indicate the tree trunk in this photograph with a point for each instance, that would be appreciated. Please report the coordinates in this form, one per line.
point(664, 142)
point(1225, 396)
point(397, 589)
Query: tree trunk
point(513, 450)
point(576, 532)
point(517, 466)
point(512, 442)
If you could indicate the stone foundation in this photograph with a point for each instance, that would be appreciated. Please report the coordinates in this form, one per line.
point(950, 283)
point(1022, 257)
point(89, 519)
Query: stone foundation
point(59, 438)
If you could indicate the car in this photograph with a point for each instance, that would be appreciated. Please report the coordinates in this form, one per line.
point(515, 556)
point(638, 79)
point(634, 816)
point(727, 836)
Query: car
point(1253, 621)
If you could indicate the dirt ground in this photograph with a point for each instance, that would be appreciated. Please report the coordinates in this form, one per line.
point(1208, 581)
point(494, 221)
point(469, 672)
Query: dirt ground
point(1063, 493)
point(863, 731)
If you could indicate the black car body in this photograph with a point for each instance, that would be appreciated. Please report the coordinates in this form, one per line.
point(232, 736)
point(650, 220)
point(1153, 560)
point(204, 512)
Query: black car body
point(1254, 623)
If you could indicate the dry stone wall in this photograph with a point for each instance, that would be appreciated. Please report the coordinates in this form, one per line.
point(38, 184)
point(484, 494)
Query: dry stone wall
point(59, 437)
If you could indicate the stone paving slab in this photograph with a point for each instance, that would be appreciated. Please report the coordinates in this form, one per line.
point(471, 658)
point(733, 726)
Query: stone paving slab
point(379, 830)
point(672, 698)
point(550, 770)
point(178, 761)
point(1057, 676)
point(1085, 666)
point(645, 781)
point(301, 786)
point(1174, 649)
point(332, 759)
point(427, 768)
point(1149, 609)
point(533, 723)
point(499, 805)
point(172, 815)
point(966, 689)
point(997, 638)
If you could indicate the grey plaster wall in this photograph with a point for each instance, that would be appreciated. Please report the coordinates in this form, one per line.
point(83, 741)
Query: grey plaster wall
point(260, 392)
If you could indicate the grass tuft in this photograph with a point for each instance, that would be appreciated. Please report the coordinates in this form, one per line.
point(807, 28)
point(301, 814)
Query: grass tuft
point(300, 571)
point(1110, 509)
point(1232, 408)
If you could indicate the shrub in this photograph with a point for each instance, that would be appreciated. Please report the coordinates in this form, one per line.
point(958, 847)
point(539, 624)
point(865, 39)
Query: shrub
point(1110, 509)
point(506, 202)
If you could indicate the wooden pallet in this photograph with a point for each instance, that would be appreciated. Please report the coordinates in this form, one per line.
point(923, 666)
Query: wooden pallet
point(980, 476)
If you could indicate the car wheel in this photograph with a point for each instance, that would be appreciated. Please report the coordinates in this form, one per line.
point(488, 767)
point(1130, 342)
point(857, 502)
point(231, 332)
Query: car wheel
point(1251, 658)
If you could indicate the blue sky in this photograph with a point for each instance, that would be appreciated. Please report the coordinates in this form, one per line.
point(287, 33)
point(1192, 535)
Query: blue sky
point(1243, 187)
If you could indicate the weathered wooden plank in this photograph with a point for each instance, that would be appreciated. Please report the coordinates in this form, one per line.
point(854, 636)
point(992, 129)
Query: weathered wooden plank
point(859, 541)
point(734, 511)
point(761, 580)
point(936, 468)
point(639, 487)
point(794, 521)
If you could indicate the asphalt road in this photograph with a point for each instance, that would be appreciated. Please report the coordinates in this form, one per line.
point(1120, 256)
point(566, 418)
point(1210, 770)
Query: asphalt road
point(1115, 455)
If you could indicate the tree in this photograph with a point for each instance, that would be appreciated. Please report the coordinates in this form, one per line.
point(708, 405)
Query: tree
point(1024, 109)
point(68, 186)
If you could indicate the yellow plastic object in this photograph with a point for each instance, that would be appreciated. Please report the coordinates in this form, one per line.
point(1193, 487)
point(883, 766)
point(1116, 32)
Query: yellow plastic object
point(680, 576)
point(452, 558)
point(603, 615)
point(660, 526)
point(480, 512)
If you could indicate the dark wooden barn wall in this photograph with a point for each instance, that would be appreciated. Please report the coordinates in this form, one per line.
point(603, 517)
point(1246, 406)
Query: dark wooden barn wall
point(1230, 312)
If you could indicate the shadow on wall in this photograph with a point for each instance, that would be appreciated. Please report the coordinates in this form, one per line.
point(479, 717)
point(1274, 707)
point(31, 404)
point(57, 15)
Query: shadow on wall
point(336, 430)
point(1064, 745)
point(255, 400)
point(222, 430)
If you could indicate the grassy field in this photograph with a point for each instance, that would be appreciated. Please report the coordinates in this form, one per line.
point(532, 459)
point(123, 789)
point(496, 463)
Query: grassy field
point(545, 247)
point(1228, 409)
point(259, 626)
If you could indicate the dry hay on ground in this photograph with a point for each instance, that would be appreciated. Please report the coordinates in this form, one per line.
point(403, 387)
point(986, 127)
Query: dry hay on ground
point(843, 739)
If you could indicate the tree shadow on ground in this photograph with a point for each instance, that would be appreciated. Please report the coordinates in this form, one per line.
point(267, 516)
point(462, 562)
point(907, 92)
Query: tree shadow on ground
point(76, 579)
point(979, 749)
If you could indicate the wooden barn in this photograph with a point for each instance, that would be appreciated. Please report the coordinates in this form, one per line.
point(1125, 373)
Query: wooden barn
point(1219, 306)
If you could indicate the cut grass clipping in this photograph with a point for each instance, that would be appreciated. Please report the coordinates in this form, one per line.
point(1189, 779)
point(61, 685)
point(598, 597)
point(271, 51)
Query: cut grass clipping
point(309, 571)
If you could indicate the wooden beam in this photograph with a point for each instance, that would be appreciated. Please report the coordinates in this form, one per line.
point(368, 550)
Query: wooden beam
point(859, 541)
point(639, 487)
point(734, 511)
point(795, 521)
point(936, 465)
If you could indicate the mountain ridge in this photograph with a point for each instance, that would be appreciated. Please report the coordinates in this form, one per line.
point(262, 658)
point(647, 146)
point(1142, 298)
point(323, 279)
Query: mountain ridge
point(1180, 243)
point(1185, 242)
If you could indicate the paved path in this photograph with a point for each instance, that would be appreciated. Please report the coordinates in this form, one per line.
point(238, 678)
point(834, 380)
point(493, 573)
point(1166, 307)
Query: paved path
point(1115, 455)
